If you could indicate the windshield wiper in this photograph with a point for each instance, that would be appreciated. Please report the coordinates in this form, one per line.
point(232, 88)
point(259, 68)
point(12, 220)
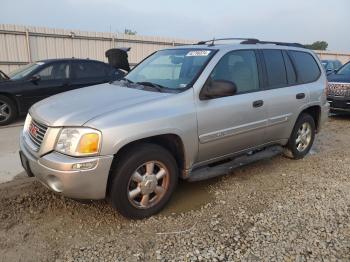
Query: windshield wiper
point(159, 88)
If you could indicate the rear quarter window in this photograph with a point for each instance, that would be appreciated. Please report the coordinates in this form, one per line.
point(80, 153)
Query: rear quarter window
point(306, 67)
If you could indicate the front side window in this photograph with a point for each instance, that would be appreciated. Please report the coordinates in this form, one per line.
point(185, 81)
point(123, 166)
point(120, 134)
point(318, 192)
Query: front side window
point(173, 68)
point(55, 71)
point(239, 67)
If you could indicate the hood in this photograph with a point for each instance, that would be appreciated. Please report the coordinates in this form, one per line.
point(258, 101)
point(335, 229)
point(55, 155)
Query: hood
point(338, 78)
point(75, 108)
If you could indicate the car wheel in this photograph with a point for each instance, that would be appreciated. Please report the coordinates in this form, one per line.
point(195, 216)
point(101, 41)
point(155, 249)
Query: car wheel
point(144, 179)
point(302, 137)
point(8, 110)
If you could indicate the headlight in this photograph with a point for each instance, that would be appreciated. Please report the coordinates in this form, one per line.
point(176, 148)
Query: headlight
point(27, 123)
point(79, 141)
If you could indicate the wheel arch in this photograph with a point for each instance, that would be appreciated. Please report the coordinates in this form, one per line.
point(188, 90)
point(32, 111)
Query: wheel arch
point(315, 112)
point(172, 142)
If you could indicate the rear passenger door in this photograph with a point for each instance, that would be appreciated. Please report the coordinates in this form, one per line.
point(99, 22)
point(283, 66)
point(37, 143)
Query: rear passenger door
point(287, 74)
point(87, 73)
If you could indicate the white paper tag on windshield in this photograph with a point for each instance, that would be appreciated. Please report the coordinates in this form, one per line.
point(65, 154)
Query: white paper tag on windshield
point(199, 53)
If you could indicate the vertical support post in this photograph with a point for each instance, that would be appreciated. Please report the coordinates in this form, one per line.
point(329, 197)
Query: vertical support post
point(29, 55)
point(112, 44)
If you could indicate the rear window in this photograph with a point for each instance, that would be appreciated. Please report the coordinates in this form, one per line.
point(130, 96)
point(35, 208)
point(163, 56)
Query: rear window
point(276, 71)
point(306, 67)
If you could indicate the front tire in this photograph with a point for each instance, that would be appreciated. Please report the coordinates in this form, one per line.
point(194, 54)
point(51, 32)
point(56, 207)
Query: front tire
point(8, 110)
point(144, 179)
point(302, 137)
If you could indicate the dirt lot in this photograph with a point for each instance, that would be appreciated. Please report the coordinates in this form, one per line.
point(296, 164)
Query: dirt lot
point(274, 210)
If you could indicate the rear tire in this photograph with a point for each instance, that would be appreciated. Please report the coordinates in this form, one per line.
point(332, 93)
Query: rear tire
point(302, 137)
point(8, 110)
point(143, 181)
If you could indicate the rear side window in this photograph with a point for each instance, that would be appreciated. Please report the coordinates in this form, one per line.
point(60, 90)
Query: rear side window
point(275, 68)
point(291, 74)
point(306, 67)
point(89, 69)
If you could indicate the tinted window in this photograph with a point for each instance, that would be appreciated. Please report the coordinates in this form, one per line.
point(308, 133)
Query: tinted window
point(276, 72)
point(306, 66)
point(56, 71)
point(86, 69)
point(239, 67)
point(291, 75)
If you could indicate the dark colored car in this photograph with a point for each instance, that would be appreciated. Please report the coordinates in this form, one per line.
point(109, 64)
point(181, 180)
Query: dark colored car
point(338, 91)
point(36, 81)
point(331, 65)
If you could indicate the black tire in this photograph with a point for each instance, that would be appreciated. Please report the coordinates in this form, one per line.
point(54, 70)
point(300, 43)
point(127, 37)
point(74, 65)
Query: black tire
point(292, 146)
point(11, 109)
point(124, 169)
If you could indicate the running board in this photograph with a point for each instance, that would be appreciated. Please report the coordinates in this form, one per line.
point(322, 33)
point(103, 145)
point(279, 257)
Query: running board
point(225, 168)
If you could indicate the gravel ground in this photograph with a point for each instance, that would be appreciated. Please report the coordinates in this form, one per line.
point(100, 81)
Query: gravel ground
point(273, 210)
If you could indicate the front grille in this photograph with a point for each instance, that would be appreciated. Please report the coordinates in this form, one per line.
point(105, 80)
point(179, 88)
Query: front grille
point(36, 133)
point(338, 89)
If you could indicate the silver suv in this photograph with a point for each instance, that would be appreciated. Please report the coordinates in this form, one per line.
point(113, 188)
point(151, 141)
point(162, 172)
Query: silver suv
point(190, 112)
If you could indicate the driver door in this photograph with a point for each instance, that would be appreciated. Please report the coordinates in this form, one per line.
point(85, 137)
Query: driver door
point(53, 78)
point(231, 124)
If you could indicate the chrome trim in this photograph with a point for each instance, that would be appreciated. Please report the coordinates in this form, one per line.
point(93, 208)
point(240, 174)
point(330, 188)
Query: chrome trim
point(223, 133)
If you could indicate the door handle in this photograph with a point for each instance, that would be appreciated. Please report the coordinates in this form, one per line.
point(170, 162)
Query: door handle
point(300, 96)
point(258, 103)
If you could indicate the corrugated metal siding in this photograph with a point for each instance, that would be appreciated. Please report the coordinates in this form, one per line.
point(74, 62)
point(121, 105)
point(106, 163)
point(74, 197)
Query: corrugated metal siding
point(44, 43)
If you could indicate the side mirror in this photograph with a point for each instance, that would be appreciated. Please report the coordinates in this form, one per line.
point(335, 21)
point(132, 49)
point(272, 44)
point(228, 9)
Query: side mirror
point(35, 78)
point(217, 88)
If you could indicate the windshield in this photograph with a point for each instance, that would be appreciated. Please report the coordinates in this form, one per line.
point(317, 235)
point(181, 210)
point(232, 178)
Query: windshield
point(24, 71)
point(173, 69)
point(345, 70)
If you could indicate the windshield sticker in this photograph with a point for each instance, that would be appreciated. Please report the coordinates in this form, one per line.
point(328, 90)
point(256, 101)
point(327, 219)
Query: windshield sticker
point(199, 53)
point(39, 63)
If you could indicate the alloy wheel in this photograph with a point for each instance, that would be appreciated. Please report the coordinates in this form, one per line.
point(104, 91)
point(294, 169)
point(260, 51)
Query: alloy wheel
point(303, 137)
point(148, 184)
point(5, 111)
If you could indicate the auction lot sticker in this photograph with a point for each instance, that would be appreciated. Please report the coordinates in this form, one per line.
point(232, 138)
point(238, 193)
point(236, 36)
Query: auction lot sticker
point(199, 53)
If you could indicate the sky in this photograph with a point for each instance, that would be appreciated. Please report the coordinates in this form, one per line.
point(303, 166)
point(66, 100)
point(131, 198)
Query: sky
point(303, 21)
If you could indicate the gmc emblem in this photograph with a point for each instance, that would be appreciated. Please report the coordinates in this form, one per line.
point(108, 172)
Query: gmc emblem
point(33, 130)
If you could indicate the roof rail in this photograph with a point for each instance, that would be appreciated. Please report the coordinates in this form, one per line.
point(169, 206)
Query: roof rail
point(251, 41)
point(223, 39)
point(281, 43)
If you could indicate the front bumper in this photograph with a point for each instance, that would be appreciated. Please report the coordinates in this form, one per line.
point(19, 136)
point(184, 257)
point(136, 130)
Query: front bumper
point(339, 103)
point(54, 170)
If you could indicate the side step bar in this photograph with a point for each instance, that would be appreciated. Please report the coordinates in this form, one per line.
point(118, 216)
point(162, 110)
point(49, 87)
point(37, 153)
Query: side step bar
point(225, 168)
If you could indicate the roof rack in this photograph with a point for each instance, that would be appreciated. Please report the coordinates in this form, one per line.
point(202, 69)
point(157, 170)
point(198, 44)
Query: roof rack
point(250, 41)
point(223, 39)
